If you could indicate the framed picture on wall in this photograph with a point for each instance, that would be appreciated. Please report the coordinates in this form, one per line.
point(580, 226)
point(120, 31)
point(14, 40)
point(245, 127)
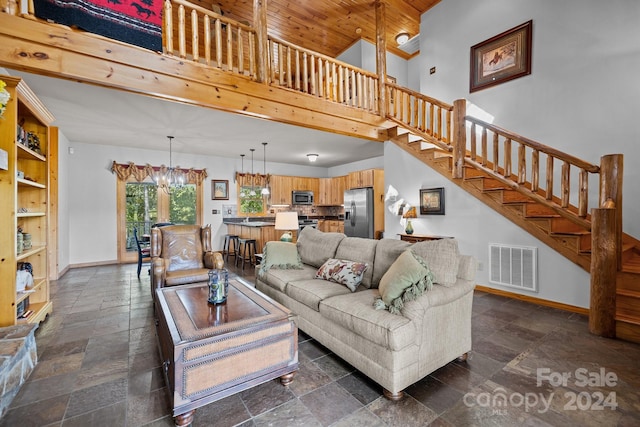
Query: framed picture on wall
point(432, 201)
point(219, 189)
point(504, 57)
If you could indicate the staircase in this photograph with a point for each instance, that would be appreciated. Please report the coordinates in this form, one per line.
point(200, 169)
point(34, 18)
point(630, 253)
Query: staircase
point(568, 235)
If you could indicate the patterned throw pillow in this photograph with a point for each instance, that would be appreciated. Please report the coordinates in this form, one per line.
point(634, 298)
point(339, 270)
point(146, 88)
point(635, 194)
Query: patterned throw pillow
point(348, 273)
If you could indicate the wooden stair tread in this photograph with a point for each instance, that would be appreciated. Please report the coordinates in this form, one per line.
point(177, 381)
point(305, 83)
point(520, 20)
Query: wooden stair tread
point(628, 293)
point(628, 319)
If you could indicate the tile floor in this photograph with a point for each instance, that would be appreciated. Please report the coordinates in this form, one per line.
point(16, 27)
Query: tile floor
point(99, 366)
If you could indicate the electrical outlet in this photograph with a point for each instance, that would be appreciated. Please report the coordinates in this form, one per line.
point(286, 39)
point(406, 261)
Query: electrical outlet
point(214, 211)
point(480, 266)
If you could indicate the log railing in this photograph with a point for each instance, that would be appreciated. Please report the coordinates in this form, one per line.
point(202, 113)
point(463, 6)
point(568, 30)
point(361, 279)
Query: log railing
point(310, 72)
point(531, 168)
point(194, 33)
point(418, 111)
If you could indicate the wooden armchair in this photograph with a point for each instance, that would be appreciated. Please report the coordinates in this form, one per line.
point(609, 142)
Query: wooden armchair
point(180, 254)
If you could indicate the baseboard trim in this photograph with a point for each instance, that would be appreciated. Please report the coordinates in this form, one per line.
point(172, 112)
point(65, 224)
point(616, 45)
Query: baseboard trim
point(534, 300)
point(93, 264)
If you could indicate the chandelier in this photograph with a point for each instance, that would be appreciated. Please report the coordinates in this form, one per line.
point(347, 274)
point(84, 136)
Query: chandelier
point(169, 179)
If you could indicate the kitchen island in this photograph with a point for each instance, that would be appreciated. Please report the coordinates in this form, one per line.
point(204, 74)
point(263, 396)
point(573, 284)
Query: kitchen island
point(261, 231)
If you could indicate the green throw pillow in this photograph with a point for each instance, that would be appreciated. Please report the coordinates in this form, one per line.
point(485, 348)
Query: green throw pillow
point(280, 255)
point(406, 279)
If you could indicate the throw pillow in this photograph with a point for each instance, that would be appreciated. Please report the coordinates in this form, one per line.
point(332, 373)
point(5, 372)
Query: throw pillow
point(348, 273)
point(442, 257)
point(280, 255)
point(407, 278)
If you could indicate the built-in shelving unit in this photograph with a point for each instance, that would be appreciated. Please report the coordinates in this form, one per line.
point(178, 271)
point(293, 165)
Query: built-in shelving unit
point(24, 190)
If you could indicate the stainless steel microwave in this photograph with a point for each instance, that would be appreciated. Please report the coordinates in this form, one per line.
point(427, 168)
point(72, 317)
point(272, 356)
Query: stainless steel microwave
point(302, 197)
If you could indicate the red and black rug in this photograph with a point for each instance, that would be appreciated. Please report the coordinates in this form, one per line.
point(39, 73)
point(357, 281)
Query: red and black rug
point(137, 22)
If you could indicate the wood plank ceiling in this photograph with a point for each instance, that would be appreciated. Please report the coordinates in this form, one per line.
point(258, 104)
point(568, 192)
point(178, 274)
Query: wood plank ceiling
point(330, 26)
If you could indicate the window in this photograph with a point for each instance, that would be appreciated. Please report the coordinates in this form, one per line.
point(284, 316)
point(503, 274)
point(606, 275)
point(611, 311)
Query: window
point(141, 205)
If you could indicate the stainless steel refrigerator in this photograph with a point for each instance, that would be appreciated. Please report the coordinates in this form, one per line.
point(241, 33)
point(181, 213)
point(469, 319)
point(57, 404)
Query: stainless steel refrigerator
point(358, 212)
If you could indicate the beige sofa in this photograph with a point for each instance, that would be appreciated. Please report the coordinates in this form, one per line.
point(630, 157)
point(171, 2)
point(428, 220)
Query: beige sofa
point(395, 350)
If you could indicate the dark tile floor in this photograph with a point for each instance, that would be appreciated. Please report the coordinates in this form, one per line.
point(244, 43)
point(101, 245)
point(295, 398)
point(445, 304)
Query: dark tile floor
point(99, 366)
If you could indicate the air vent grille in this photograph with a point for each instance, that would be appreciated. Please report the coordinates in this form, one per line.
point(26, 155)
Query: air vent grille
point(513, 266)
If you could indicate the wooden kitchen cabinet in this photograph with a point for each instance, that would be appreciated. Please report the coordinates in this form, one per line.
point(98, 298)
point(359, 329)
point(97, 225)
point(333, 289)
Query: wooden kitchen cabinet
point(331, 192)
point(365, 178)
point(281, 187)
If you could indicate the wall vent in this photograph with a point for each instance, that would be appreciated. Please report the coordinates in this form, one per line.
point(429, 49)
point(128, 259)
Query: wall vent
point(513, 266)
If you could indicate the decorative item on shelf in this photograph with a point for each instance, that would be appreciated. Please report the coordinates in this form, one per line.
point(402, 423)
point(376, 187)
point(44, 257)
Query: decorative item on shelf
point(19, 242)
point(26, 241)
point(33, 142)
point(410, 213)
point(19, 174)
point(21, 134)
point(4, 98)
point(286, 221)
point(218, 286)
point(168, 179)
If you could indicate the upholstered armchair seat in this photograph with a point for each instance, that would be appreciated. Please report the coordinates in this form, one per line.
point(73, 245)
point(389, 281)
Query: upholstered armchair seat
point(180, 254)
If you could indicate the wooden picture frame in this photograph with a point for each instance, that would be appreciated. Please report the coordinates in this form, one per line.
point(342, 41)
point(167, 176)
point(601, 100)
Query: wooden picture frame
point(219, 189)
point(501, 58)
point(432, 201)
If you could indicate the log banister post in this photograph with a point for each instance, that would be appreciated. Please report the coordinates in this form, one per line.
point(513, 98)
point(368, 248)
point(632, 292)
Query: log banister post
point(262, 39)
point(381, 57)
point(604, 267)
point(459, 137)
point(611, 170)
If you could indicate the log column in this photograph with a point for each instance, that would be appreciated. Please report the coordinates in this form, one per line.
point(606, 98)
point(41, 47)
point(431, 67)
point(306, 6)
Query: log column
point(604, 268)
point(381, 57)
point(262, 39)
point(459, 137)
point(611, 168)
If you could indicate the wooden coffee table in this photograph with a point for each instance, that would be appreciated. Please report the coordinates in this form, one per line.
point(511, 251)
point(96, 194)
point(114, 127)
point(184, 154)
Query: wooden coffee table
point(212, 351)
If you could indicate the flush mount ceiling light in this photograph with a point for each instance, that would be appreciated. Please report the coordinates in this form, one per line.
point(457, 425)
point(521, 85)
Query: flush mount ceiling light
point(312, 157)
point(402, 38)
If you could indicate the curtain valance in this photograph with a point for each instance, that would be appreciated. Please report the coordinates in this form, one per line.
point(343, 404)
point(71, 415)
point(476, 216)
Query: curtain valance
point(140, 173)
point(252, 180)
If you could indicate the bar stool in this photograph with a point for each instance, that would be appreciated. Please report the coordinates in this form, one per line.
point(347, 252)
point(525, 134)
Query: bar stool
point(246, 251)
point(226, 247)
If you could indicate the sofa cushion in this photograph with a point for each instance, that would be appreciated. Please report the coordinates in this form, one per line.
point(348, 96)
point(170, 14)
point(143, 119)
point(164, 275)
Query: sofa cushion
point(387, 251)
point(280, 255)
point(406, 279)
point(278, 279)
point(316, 247)
point(311, 292)
point(442, 257)
point(355, 312)
point(345, 272)
point(360, 250)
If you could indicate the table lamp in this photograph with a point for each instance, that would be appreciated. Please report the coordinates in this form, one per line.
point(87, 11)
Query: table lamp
point(410, 213)
point(286, 221)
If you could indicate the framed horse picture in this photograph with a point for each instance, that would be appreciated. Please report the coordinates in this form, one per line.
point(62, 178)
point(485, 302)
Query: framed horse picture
point(504, 57)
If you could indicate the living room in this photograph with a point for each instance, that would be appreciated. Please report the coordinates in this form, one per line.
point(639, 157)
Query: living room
point(567, 106)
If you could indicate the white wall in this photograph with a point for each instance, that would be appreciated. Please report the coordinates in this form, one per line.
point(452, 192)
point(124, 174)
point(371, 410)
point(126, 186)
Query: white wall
point(363, 55)
point(475, 225)
point(582, 96)
point(91, 195)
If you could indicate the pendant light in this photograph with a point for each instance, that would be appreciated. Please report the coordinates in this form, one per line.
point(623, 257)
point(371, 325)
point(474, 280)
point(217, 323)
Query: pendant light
point(265, 191)
point(253, 191)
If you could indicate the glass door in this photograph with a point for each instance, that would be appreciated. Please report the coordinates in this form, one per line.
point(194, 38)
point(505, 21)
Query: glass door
point(142, 204)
